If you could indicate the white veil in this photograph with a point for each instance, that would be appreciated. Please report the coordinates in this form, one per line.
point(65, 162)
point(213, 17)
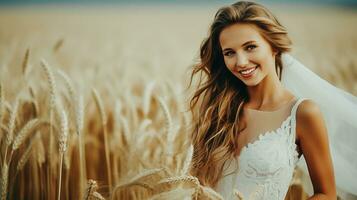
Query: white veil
point(340, 114)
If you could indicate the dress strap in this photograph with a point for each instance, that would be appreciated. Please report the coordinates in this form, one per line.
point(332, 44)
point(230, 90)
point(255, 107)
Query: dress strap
point(293, 118)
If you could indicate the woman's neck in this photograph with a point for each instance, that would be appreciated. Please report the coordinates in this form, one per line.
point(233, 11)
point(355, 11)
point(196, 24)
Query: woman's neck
point(267, 93)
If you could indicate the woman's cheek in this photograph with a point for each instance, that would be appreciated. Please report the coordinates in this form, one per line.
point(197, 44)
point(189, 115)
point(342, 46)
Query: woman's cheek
point(229, 63)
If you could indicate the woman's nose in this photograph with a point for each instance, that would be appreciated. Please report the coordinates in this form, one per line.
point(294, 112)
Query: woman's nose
point(241, 61)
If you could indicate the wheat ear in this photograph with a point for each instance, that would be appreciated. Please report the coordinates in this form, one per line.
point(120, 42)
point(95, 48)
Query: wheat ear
point(180, 179)
point(147, 97)
point(12, 121)
point(188, 160)
point(79, 127)
point(62, 146)
point(25, 61)
point(21, 163)
point(100, 106)
point(68, 84)
point(211, 194)
point(139, 179)
point(52, 84)
point(24, 133)
point(58, 44)
point(24, 157)
point(91, 188)
point(11, 127)
point(91, 193)
point(238, 194)
point(168, 120)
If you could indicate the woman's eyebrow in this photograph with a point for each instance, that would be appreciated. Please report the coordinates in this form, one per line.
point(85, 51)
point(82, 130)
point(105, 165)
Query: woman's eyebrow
point(246, 43)
point(249, 42)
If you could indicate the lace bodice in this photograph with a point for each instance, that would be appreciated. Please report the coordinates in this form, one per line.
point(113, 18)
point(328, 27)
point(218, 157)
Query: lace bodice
point(264, 167)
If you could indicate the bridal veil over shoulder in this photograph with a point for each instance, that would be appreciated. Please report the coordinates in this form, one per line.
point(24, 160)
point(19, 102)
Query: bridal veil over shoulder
point(340, 114)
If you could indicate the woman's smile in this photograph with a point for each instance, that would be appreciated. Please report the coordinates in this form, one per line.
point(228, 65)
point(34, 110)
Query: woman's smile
point(247, 73)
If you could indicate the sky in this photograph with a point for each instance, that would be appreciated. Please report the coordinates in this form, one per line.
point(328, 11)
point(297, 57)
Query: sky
point(178, 2)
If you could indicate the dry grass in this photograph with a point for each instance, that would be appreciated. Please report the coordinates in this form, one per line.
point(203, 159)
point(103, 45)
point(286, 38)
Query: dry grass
point(130, 133)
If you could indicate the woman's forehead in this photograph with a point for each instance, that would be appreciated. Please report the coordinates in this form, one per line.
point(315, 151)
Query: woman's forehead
point(238, 34)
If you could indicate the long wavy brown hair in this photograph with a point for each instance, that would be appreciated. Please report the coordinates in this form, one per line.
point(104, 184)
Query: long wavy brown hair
point(216, 120)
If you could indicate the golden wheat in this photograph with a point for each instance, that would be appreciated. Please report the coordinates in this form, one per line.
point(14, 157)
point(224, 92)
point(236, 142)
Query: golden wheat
point(134, 140)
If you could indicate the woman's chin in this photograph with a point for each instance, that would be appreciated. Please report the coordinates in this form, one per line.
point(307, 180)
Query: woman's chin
point(252, 81)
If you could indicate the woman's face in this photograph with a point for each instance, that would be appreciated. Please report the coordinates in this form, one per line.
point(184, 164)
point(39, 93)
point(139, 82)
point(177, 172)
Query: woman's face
point(246, 53)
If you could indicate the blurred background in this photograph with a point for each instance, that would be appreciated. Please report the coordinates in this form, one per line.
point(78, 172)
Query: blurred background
point(121, 47)
point(323, 32)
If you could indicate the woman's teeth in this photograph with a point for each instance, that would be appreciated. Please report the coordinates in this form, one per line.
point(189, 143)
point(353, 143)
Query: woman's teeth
point(248, 71)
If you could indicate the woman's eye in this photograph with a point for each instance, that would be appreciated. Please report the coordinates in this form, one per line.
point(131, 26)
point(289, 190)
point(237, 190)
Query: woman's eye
point(229, 53)
point(251, 47)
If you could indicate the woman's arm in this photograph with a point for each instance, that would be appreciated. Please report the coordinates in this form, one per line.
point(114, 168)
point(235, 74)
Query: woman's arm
point(313, 139)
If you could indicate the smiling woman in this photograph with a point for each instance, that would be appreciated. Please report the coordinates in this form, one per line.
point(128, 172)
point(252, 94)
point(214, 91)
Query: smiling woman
point(251, 130)
point(246, 53)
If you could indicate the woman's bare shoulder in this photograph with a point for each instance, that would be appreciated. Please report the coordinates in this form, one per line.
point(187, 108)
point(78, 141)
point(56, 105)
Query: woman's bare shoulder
point(309, 119)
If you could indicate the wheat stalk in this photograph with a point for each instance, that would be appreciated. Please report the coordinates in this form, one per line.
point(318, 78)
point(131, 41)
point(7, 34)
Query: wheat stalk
point(58, 44)
point(147, 97)
point(1, 102)
point(68, 84)
point(11, 127)
point(168, 125)
point(100, 107)
point(238, 194)
point(167, 115)
point(79, 114)
point(79, 127)
point(25, 61)
point(34, 103)
point(62, 146)
point(126, 129)
point(211, 194)
point(53, 90)
point(97, 196)
point(4, 181)
point(187, 162)
point(144, 124)
point(117, 113)
point(51, 82)
point(4, 128)
point(40, 149)
point(78, 110)
point(132, 110)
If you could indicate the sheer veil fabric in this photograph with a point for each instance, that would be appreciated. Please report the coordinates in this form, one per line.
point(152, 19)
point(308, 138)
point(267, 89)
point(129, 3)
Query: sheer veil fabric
point(339, 109)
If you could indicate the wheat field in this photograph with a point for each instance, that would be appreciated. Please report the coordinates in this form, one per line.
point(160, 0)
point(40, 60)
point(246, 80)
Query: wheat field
point(93, 100)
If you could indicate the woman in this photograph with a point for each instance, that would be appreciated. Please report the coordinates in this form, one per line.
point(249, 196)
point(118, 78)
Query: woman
point(251, 130)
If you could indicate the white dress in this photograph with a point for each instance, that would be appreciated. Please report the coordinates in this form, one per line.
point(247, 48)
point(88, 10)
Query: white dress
point(266, 162)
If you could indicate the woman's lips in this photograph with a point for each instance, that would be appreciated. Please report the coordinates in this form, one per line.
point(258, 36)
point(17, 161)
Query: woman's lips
point(246, 73)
